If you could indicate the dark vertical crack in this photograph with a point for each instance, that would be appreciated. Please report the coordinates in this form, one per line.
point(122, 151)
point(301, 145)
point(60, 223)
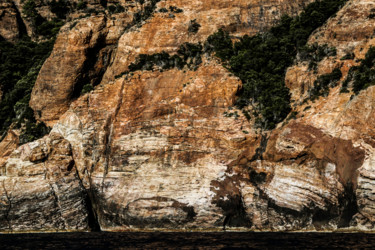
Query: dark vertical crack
point(349, 204)
point(109, 130)
point(261, 149)
point(7, 212)
point(90, 203)
point(57, 204)
point(90, 74)
point(234, 212)
point(21, 25)
point(56, 198)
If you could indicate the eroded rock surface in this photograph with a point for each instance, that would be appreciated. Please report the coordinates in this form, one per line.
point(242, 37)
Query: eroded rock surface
point(157, 149)
point(9, 26)
point(40, 189)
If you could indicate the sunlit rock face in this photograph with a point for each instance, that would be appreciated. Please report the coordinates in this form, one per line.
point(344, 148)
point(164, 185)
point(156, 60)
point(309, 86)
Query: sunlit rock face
point(157, 149)
point(40, 189)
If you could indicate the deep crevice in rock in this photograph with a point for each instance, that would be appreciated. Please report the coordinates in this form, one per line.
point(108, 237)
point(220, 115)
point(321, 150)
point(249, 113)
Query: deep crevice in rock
point(21, 25)
point(349, 204)
point(234, 212)
point(257, 178)
point(261, 149)
point(89, 200)
point(91, 214)
point(101, 52)
point(57, 205)
point(8, 209)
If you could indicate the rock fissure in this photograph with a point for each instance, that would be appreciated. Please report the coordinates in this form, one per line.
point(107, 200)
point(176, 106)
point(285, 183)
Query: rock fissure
point(57, 206)
point(7, 212)
point(20, 23)
point(90, 201)
point(261, 149)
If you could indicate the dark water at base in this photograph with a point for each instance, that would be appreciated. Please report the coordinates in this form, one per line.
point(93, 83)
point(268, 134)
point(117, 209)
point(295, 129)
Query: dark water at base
point(162, 240)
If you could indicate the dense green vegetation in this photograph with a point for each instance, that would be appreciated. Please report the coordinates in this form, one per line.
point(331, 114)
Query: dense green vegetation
point(117, 8)
point(145, 13)
point(42, 26)
point(362, 76)
point(315, 53)
point(324, 83)
point(19, 67)
point(261, 61)
point(60, 8)
point(189, 55)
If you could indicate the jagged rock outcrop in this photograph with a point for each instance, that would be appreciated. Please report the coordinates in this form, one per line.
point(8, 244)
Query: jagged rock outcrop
point(40, 189)
point(62, 75)
point(80, 56)
point(9, 21)
point(14, 21)
point(157, 148)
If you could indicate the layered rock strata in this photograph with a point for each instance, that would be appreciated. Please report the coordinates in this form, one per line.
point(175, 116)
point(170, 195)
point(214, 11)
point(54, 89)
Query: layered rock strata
point(40, 189)
point(167, 149)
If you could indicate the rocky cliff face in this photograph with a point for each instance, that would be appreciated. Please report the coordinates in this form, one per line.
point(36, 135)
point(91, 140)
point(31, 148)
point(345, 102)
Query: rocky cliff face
point(157, 148)
point(9, 28)
point(18, 17)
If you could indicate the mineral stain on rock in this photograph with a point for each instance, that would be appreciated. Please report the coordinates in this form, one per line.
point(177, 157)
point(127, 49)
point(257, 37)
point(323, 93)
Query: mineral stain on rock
point(167, 149)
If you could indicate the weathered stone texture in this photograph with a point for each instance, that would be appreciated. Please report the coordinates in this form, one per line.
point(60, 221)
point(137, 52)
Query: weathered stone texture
point(40, 190)
point(9, 27)
point(154, 149)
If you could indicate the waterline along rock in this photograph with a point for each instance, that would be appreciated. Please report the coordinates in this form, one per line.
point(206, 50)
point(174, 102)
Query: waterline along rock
point(166, 147)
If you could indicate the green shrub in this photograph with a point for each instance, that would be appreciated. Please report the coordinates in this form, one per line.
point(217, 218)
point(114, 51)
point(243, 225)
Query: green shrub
point(31, 13)
point(19, 67)
point(59, 8)
point(113, 9)
point(86, 89)
point(145, 13)
point(49, 29)
point(17, 87)
point(188, 55)
point(261, 61)
point(43, 27)
point(324, 83)
point(163, 10)
point(221, 44)
point(363, 76)
point(81, 5)
point(315, 53)
point(174, 9)
point(348, 56)
point(193, 26)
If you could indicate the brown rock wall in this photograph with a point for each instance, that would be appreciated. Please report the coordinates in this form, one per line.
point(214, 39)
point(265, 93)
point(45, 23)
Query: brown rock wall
point(9, 28)
point(154, 149)
point(40, 190)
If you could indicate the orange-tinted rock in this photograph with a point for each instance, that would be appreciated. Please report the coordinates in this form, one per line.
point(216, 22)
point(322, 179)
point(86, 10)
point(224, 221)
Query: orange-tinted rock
point(7, 146)
point(157, 149)
point(79, 57)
